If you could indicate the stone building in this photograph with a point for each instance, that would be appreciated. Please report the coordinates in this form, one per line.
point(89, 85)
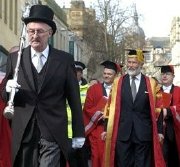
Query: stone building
point(175, 45)
point(135, 37)
point(159, 54)
point(78, 20)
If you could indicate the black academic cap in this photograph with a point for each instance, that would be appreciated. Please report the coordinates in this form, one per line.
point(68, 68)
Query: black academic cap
point(79, 65)
point(167, 68)
point(110, 65)
point(135, 51)
point(138, 53)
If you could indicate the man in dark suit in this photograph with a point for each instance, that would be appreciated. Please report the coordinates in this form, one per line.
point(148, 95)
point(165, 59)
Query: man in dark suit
point(132, 130)
point(46, 78)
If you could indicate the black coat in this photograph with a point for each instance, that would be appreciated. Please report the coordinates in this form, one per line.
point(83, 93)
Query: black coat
point(135, 117)
point(59, 83)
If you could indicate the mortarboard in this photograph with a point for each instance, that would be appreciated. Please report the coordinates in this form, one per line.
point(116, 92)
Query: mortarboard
point(111, 65)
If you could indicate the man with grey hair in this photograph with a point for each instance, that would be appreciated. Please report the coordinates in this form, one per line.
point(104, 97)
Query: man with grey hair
point(46, 79)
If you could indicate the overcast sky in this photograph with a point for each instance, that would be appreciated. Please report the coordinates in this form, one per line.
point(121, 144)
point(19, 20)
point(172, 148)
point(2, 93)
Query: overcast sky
point(156, 15)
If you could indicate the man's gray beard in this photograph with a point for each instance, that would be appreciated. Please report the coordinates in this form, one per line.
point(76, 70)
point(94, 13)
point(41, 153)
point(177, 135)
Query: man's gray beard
point(134, 72)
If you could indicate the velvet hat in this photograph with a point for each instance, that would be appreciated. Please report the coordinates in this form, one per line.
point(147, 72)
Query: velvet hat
point(41, 13)
point(167, 68)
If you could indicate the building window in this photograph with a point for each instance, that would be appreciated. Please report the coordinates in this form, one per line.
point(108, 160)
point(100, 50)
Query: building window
point(11, 11)
point(76, 14)
point(0, 8)
point(5, 11)
point(3, 60)
point(15, 16)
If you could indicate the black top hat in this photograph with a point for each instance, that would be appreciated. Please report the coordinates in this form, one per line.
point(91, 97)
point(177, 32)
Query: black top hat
point(41, 13)
point(79, 65)
point(110, 65)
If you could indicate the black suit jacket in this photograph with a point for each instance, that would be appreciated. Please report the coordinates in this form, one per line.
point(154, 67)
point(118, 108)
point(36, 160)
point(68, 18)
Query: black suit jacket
point(135, 116)
point(59, 83)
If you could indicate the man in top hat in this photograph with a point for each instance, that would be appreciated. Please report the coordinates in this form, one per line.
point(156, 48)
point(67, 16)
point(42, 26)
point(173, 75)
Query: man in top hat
point(95, 102)
point(169, 122)
point(132, 135)
point(46, 78)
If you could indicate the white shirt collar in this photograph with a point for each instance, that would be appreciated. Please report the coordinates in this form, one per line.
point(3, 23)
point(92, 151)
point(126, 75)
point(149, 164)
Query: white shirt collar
point(107, 86)
point(167, 87)
point(138, 77)
point(45, 52)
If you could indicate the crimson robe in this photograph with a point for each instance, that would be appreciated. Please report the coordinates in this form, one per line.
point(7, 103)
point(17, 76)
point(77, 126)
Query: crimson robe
point(174, 106)
point(5, 141)
point(92, 111)
point(113, 122)
point(93, 107)
point(175, 110)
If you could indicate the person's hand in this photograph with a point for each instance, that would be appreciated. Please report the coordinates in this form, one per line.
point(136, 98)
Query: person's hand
point(12, 84)
point(164, 113)
point(161, 138)
point(101, 117)
point(78, 142)
point(103, 135)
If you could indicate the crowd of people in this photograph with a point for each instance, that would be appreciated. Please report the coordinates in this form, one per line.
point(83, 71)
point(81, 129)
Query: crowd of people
point(61, 120)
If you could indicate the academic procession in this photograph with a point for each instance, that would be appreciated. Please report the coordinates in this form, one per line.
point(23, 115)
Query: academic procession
point(53, 115)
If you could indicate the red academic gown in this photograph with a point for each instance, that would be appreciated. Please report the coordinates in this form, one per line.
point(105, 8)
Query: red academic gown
point(113, 122)
point(5, 141)
point(94, 105)
point(173, 103)
point(175, 109)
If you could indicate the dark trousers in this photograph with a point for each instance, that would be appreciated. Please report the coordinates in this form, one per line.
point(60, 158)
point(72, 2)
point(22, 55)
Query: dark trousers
point(46, 155)
point(77, 157)
point(133, 153)
point(170, 153)
point(37, 152)
point(49, 154)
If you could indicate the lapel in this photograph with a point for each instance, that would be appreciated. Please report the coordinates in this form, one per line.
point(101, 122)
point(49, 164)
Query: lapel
point(53, 63)
point(103, 90)
point(127, 88)
point(27, 68)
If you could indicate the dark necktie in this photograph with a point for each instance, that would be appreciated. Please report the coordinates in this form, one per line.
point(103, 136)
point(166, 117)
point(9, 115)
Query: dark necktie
point(40, 62)
point(133, 88)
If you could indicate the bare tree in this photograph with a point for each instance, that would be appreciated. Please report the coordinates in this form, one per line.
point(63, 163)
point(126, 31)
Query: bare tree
point(114, 18)
point(107, 34)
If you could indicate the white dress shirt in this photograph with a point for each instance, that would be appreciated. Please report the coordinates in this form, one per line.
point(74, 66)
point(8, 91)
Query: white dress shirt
point(167, 89)
point(35, 58)
point(107, 88)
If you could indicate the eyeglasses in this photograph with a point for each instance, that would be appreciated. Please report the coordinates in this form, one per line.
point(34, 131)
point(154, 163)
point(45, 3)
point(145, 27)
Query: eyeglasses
point(38, 32)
